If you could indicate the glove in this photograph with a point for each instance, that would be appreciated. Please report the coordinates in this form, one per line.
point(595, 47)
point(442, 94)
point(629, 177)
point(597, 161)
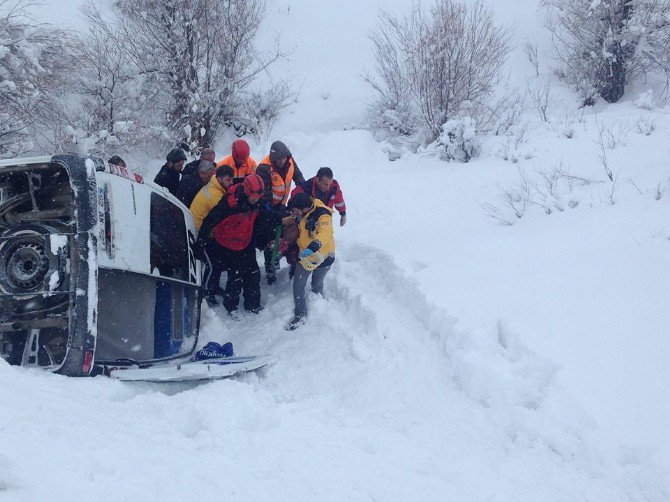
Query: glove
point(312, 261)
point(315, 245)
point(343, 219)
point(305, 253)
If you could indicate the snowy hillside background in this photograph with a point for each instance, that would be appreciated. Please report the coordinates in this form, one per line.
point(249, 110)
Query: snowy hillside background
point(455, 358)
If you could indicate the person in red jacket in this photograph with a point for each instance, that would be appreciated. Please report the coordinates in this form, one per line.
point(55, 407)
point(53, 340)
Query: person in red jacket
point(232, 224)
point(326, 189)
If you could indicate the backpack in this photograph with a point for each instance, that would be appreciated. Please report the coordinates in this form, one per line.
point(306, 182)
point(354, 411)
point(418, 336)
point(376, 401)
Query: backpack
point(235, 231)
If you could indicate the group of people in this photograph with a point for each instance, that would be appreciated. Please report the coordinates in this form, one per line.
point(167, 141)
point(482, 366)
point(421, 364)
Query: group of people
point(239, 206)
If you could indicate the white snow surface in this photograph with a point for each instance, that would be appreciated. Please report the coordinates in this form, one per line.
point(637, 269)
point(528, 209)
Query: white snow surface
point(452, 358)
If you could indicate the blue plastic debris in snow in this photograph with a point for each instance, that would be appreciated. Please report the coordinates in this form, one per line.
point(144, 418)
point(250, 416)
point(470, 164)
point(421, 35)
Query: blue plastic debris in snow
point(214, 350)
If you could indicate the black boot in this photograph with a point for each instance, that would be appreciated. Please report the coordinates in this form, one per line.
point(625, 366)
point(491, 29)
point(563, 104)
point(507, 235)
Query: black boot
point(295, 323)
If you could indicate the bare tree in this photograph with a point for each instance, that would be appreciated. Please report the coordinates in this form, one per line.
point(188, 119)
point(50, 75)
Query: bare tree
point(394, 109)
point(198, 55)
point(33, 61)
point(110, 105)
point(436, 60)
point(605, 44)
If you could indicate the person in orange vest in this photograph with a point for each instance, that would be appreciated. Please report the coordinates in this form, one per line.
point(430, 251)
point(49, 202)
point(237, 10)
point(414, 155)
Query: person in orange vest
point(278, 170)
point(239, 161)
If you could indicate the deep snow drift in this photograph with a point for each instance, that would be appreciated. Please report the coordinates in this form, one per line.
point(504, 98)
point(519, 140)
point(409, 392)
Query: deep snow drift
point(382, 394)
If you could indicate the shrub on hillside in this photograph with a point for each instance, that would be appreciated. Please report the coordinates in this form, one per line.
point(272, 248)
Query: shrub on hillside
point(459, 140)
point(430, 63)
point(605, 44)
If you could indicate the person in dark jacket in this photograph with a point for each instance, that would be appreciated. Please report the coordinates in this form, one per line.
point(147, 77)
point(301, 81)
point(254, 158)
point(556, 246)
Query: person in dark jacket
point(278, 170)
point(207, 154)
point(169, 175)
point(191, 184)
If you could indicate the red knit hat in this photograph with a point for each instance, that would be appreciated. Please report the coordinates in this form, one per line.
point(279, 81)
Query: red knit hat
point(240, 151)
point(253, 185)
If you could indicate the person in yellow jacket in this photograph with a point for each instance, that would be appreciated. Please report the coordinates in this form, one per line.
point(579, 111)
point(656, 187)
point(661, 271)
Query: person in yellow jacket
point(208, 197)
point(316, 244)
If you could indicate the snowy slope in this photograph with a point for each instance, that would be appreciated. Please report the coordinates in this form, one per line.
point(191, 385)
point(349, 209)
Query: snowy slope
point(452, 359)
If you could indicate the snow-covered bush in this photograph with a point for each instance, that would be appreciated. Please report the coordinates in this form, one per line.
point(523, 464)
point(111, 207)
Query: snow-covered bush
point(393, 120)
point(459, 140)
point(605, 44)
point(432, 61)
point(645, 100)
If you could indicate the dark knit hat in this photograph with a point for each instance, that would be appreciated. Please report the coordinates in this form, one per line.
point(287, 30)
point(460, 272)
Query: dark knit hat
point(300, 201)
point(176, 155)
point(278, 150)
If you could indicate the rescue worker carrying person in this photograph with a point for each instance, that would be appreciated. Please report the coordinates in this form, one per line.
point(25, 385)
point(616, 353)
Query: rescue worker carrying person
point(316, 244)
point(278, 170)
point(232, 224)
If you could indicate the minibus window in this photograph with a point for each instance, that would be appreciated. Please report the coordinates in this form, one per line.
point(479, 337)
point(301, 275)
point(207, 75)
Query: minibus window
point(169, 248)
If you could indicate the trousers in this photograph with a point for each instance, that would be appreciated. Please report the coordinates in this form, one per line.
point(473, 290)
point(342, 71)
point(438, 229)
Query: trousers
point(300, 282)
point(243, 276)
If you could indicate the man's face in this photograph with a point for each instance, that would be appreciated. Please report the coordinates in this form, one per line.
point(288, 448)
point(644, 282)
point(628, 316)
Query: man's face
point(225, 181)
point(178, 166)
point(281, 161)
point(208, 156)
point(297, 211)
point(205, 176)
point(324, 183)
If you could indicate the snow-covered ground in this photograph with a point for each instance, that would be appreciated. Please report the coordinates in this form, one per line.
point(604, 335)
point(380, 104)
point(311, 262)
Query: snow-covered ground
point(453, 358)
